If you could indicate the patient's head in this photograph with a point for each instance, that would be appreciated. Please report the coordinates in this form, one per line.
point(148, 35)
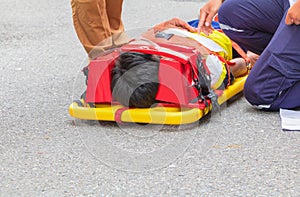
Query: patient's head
point(135, 79)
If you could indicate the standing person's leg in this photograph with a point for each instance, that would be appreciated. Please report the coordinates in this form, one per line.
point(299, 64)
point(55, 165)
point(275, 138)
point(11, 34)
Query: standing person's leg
point(257, 20)
point(274, 81)
point(91, 23)
point(114, 13)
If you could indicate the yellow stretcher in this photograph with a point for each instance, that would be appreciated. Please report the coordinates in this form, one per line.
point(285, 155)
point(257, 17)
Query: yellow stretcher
point(155, 115)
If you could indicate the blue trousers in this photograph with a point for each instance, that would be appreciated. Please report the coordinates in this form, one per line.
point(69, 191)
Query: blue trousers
point(274, 81)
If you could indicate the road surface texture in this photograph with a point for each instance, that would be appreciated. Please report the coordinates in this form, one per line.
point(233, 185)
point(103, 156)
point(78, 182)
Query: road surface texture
point(45, 152)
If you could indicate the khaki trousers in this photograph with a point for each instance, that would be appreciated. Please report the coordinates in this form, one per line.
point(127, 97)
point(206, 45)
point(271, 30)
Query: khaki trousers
point(98, 24)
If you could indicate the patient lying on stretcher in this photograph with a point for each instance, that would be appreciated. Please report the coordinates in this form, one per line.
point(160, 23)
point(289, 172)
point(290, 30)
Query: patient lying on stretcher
point(135, 80)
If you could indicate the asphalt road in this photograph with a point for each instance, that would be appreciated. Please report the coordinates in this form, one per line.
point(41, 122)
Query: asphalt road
point(44, 152)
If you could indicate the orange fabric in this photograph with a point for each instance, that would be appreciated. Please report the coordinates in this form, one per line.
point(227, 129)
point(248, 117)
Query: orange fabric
point(240, 51)
point(97, 20)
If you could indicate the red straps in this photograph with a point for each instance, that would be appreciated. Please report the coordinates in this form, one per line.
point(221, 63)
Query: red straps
point(240, 51)
point(118, 114)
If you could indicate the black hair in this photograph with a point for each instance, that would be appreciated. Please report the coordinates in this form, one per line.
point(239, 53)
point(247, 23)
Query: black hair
point(135, 79)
